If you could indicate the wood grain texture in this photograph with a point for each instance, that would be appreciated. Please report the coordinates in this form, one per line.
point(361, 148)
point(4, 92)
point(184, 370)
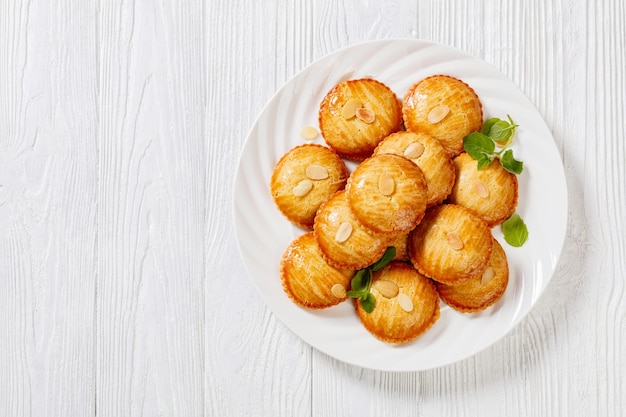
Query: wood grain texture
point(48, 187)
point(122, 292)
point(151, 210)
point(254, 365)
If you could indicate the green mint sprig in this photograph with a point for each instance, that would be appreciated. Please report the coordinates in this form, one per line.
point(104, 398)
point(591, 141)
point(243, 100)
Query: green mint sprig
point(481, 146)
point(362, 281)
point(515, 231)
point(499, 130)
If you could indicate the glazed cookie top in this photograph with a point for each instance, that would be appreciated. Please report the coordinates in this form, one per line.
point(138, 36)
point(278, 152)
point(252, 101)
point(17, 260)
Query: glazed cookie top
point(387, 194)
point(308, 279)
point(445, 108)
point(451, 244)
point(481, 291)
point(303, 179)
point(344, 242)
point(490, 192)
point(428, 154)
point(406, 304)
point(356, 115)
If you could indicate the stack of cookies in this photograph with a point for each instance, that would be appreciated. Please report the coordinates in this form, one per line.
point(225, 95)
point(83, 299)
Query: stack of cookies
point(413, 189)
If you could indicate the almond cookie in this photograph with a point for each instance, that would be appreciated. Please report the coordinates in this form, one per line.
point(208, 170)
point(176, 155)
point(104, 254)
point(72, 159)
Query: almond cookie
point(428, 154)
point(451, 244)
point(387, 194)
point(303, 179)
point(406, 304)
point(308, 279)
point(344, 242)
point(481, 291)
point(356, 115)
point(490, 192)
point(445, 108)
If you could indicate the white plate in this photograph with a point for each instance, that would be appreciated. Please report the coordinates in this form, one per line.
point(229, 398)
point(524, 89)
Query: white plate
point(263, 233)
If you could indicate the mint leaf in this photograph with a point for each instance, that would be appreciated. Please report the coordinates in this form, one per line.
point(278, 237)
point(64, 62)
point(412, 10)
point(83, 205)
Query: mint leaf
point(515, 231)
point(368, 280)
point(481, 146)
point(354, 294)
point(478, 145)
point(369, 302)
point(511, 120)
point(501, 131)
point(359, 284)
point(510, 163)
point(387, 257)
point(487, 125)
point(484, 162)
point(362, 280)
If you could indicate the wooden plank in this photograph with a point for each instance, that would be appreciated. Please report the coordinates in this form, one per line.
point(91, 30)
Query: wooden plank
point(601, 289)
point(151, 219)
point(48, 208)
point(121, 290)
point(254, 365)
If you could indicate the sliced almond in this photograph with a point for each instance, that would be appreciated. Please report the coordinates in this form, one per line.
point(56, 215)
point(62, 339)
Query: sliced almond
point(481, 188)
point(365, 115)
point(316, 172)
point(487, 275)
point(302, 188)
point(386, 184)
point(338, 291)
point(348, 111)
point(438, 113)
point(309, 133)
point(405, 302)
point(343, 232)
point(414, 150)
point(387, 289)
point(454, 241)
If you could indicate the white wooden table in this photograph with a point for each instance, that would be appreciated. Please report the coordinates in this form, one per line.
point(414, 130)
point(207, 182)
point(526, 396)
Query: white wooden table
point(122, 292)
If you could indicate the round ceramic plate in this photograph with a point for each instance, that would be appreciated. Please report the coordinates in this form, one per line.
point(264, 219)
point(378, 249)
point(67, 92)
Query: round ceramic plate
point(263, 233)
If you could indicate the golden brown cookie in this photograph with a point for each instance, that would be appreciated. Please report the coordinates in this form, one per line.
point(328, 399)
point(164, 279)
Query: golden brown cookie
point(451, 244)
point(428, 154)
point(490, 192)
point(356, 115)
point(387, 194)
point(406, 304)
point(344, 242)
point(445, 108)
point(482, 291)
point(308, 279)
point(303, 179)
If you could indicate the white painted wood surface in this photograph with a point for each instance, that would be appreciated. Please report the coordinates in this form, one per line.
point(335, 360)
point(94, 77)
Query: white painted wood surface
point(121, 289)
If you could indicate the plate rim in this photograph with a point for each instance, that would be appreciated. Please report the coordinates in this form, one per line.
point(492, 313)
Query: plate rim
point(419, 43)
